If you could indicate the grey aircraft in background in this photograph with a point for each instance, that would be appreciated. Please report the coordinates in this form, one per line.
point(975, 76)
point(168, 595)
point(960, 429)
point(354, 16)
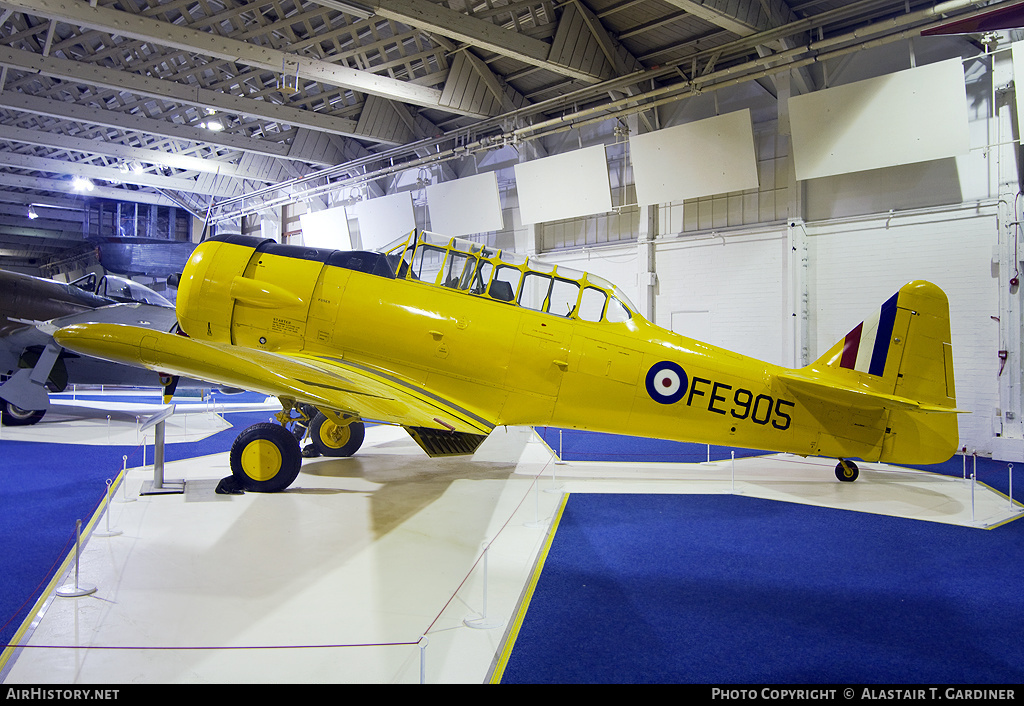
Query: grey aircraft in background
point(32, 364)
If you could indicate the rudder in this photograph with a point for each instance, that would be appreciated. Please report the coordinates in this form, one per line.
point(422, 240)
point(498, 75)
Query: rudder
point(905, 351)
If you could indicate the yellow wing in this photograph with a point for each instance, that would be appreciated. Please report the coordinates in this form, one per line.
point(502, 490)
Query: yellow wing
point(327, 382)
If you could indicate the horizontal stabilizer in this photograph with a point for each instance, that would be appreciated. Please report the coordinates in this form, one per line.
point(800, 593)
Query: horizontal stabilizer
point(862, 398)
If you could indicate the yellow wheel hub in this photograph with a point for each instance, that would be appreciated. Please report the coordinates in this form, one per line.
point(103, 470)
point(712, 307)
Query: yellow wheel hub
point(261, 459)
point(334, 436)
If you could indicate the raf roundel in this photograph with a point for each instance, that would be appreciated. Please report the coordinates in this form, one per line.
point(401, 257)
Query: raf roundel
point(666, 382)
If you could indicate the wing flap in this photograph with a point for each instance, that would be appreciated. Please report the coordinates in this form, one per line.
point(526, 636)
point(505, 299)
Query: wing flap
point(324, 382)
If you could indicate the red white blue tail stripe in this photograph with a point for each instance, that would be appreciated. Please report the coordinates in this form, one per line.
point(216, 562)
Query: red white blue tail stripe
point(866, 347)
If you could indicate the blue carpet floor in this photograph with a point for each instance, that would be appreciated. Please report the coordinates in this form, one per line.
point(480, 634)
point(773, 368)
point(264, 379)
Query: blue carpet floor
point(46, 488)
point(728, 589)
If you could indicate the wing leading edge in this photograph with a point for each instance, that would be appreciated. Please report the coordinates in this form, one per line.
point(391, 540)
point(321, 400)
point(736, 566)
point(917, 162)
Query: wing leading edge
point(332, 383)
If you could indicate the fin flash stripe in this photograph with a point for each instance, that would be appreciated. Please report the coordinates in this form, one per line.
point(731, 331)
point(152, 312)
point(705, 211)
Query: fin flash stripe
point(866, 347)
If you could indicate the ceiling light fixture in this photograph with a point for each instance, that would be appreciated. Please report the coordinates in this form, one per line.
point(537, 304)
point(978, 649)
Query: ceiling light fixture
point(81, 184)
point(32, 213)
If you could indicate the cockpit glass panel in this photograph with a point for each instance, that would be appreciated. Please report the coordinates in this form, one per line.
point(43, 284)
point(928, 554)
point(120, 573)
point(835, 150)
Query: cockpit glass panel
point(120, 289)
point(592, 304)
point(534, 293)
point(458, 270)
point(427, 262)
point(563, 297)
point(505, 283)
point(616, 292)
point(482, 277)
point(617, 312)
point(396, 246)
point(508, 277)
point(538, 266)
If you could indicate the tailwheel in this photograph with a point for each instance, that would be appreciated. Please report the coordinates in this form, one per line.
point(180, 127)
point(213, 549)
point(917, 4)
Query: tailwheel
point(333, 439)
point(847, 471)
point(265, 458)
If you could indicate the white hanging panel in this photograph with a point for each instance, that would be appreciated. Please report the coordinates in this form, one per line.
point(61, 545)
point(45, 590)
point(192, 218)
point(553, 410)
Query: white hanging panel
point(902, 118)
point(702, 158)
point(464, 206)
point(564, 186)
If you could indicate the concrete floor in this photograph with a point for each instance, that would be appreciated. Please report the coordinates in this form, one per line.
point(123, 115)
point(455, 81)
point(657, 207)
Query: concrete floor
point(370, 569)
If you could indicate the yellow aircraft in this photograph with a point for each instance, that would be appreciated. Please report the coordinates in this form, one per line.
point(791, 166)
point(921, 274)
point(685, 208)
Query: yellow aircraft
point(449, 339)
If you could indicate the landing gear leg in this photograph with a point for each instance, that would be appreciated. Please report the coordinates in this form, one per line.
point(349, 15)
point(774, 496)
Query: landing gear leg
point(847, 471)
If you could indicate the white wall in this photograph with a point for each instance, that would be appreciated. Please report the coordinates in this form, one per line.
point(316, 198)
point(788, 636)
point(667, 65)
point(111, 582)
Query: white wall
point(741, 280)
point(854, 266)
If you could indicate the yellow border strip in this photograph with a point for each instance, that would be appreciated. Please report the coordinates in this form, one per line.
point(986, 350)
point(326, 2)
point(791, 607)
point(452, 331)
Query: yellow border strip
point(58, 576)
point(513, 633)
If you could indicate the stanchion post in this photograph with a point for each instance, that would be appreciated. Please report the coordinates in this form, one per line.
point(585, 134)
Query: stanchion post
point(106, 511)
point(536, 506)
point(483, 622)
point(423, 658)
point(76, 589)
point(973, 477)
point(733, 454)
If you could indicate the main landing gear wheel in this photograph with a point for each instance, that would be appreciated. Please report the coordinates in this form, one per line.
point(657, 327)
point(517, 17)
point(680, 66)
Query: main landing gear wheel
point(265, 458)
point(847, 471)
point(13, 416)
point(331, 439)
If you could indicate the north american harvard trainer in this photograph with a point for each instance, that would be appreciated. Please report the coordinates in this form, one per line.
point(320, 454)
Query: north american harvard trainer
point(450, 338)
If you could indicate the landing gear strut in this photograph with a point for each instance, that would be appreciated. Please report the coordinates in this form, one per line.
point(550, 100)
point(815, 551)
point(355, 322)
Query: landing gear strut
point(847, 471)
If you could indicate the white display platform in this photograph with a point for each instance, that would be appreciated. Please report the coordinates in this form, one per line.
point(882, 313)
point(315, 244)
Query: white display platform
point(367, 568)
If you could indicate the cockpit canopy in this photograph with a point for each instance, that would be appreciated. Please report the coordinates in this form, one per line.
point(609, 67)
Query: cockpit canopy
point(120, 289)
point(506, 277)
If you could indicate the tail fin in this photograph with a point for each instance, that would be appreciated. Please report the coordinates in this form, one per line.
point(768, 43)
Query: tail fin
point(904, 350)
point(900, 364)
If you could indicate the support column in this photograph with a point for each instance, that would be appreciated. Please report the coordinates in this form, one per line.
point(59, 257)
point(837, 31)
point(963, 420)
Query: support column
point(270, 224)
point(647, 271)
point(1008, 422)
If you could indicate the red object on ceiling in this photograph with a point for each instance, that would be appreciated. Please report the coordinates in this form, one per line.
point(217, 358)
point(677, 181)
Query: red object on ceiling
point(1006, 17)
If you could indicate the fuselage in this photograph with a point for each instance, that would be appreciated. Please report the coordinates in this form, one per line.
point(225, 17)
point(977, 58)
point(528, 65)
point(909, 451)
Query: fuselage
point(26, 298)
point(548, 347)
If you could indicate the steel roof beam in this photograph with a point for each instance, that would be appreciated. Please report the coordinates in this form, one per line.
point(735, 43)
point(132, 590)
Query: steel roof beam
point(124, 24)
point(441, 20)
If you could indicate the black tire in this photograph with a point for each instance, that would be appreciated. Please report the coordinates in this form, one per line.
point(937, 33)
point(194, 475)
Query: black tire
point(18, 417)
point(332, 440)
point(847, 471)
point(265, 458)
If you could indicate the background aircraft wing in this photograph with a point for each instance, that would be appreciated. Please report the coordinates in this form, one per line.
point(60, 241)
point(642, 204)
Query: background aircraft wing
point(322, 381)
